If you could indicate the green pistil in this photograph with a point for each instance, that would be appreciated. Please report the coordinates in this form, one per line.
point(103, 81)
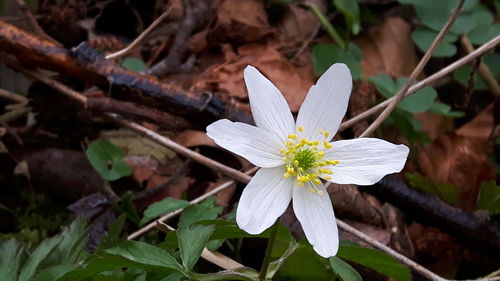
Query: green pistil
point(305, 159)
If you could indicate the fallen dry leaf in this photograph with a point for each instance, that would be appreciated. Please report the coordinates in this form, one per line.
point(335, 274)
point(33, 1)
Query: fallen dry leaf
point(299, 23)
point(388, 48)
point(457, 160)
point(241, 21)
point(292, 81)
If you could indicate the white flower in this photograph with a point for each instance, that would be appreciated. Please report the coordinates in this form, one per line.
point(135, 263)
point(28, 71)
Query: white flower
point(295, 156)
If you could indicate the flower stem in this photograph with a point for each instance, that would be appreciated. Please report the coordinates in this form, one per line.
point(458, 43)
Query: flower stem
point(269, 250)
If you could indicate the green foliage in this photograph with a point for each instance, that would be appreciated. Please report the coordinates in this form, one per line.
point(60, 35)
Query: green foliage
point(462, 74)
point(192, 239)
point(197, 212)
point(373, 259)
point(163, 207)
point(489, 197)
point(145, 254)
point(344, 271)
point(350, 10)
point(446, 192)
point(475, 20)
point(107, 159)
point(133, 63)
point(324, 55)
point(10, 259)
point(417, 102)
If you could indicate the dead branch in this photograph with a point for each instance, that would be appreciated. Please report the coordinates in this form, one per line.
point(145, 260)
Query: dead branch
point(429, 210)
point(86, 64)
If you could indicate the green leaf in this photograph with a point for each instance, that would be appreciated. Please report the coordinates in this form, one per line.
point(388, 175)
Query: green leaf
point(197, 212)
point(462, 75)
point(192, 239)
point(275, 265)
point(39, 254)
point(445, 110)
point(163, 207)
point(376, 260)
point(417, 102)
point(107, 159)
point(127, 207)
point(350, 10)
point(446, 192)
point(423, 38)
point(74, 239)
point(482, 35)
point(9, 259)
point(146, 254)
point(324, 55)
point(489, 197)
point(344, 271)
point(114, 234)
point(54, 272)
point(133, 63)
point(106, 263)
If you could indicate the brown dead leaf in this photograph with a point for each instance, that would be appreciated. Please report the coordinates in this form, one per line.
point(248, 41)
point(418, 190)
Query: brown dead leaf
point(481, 127)
point(292, 81)
point(388, 48)
point(242, 21)
point(299, 22)
point(433, 124)
point(460, 161)
point(191, 138)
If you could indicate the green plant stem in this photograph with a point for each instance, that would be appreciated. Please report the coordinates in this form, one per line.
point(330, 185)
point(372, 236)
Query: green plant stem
point(328, 26)
point(269, 250)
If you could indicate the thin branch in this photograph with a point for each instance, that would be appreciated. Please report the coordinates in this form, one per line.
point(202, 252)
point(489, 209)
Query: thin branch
point(12, 96)
point(484, 71)
point(30, 19)
point(170, 215)
point(413, 76)
point(138, 40)
point(426, 82)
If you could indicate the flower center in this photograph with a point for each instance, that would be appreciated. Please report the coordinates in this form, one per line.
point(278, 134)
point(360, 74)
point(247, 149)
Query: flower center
point(304, 160)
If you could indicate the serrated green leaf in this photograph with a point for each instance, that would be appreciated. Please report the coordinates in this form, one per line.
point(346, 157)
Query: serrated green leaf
point(114, 234)
point(324, 55)
point(74, 239)
point(9, 259)
point(489, 197)
point(146, 254)
point(484, 34)
point(197, 212)
point(376, 260)
point(39, 254)
point(133, 63)
point(344, 271)
point(192, 239)
point(445, 110)
point(107, 159)
point(163, 207)
point(350, 10)
point(275, 265)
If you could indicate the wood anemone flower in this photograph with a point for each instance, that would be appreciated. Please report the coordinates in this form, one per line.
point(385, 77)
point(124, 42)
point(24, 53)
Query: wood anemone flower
point(296, 157)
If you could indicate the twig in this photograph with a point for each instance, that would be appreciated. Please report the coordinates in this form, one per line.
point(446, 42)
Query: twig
point(484, 71)
point(12, 97)
point(28, 16)
point(192, 16)
point(428, 81)
point(170, 215)
point(413, 76)
point(138, 40)
point(211, 256)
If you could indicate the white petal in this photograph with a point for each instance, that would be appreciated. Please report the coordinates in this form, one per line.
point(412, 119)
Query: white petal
point(263, 200)
point(315, 213)
point(269, 108)
point(365, 161)
point(326, 103)
point(258, 146)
